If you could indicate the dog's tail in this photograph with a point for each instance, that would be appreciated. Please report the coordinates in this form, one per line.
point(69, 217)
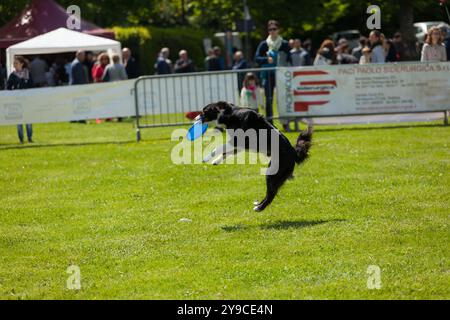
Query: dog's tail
point(304, 143)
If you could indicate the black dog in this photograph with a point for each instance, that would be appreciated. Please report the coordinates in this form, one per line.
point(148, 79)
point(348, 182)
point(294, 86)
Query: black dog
point(235, 118)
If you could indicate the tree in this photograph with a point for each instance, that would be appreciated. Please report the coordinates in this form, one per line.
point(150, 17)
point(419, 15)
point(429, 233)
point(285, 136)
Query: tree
point(310, 18)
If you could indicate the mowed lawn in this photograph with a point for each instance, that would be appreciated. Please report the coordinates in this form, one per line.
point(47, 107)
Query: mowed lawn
point(89, 196)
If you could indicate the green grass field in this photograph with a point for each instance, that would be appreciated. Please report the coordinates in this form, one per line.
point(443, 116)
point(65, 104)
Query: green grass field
point(88, 195)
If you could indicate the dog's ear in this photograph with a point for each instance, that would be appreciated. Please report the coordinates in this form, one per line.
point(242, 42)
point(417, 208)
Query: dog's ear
point(215, 110)
point(210, 107)
point(225, 107)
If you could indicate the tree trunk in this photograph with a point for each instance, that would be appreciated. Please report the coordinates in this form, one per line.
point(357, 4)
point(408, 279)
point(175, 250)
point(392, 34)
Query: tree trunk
point(406, 18)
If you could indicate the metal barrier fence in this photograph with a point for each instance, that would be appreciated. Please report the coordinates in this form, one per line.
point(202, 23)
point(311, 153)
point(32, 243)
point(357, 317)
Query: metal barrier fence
point(164, 100)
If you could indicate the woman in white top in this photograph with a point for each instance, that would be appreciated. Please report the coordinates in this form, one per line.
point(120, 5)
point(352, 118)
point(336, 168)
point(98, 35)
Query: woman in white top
point(434, 49)
point(366, 56)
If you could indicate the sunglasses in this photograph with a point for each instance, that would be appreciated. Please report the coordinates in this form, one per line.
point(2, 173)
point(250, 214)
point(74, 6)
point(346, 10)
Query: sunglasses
point(273, 29)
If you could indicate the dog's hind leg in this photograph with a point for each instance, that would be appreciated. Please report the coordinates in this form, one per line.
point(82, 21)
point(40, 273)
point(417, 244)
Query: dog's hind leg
point(274, 183)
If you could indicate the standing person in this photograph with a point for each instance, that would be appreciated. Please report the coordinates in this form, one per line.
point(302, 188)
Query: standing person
point(88, 63)
point(209, 55)
point(326, 54)
point(218, 53)
point(98, 71)
point(20, 79)
point(307, 45)
point(2, 77)
point(446, 37)
point(272, 52)
point(184, 64)
point(365, 58)
point(251, 93)
point(434, 49)
point(163, 64)
point(115, 71)
point(212, 62)
point(343, 56)
point(376, 45)
point(78, 72)
point(358, 51)
point(38, 70)
point(130, 64)
point(61, 77)
point(389, 49)
point(239, 64)
point(400, 46)
point(51, 76)
point(299, 56)
point(291, 43)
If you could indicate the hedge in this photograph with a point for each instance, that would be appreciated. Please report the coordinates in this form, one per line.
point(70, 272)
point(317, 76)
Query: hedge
point(146, 42)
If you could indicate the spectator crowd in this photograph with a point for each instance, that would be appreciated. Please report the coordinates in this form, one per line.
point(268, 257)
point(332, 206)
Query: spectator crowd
point(89, 67)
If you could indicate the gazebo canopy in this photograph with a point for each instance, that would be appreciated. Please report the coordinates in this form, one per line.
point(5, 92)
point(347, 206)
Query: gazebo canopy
point(39, 17)
point(58, 41)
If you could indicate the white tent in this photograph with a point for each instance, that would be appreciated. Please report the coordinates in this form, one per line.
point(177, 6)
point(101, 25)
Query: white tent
point(58, 41)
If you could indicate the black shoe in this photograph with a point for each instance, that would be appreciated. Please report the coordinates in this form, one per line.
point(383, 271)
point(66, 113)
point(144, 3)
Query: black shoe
point(30, 141)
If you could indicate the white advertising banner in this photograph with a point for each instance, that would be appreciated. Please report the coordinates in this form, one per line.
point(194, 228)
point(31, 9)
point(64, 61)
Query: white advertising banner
point(94, 101)
point(363, 89)
point(156, 95)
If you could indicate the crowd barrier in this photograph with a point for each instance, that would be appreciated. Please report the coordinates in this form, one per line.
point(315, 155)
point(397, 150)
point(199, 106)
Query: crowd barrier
point(304, 92)
point(164, 100)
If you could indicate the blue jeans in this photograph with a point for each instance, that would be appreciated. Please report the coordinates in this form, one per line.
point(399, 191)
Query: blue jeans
point(29, 132)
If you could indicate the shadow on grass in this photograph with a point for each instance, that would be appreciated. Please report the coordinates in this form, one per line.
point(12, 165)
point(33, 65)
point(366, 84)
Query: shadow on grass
point(281, 225)
point(55, 145)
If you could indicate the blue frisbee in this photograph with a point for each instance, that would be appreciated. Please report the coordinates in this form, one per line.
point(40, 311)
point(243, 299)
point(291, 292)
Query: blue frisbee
point(197, 130)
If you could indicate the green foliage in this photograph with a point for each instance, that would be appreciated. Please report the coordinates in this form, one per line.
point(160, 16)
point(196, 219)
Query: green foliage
point(137, 39)
point(306, 18)
point(9, 9)
point(89, 195)
point(147, 42)
point(136, 35)
point(298, 17)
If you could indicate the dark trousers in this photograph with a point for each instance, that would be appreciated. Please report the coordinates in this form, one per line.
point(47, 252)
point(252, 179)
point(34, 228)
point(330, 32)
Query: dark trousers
point(29, 132)
point(269, 87)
